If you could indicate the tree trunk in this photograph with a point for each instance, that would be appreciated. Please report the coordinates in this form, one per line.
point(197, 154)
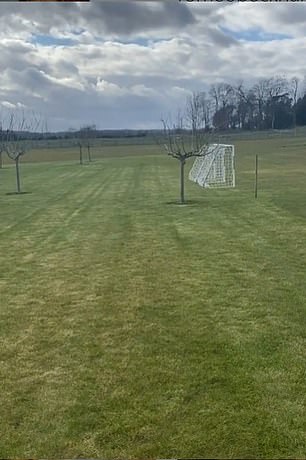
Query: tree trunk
point(1, 161)
point(182, 164)
point(81, 155)
point(89, 155)
point(17, 175)
point(294, 121)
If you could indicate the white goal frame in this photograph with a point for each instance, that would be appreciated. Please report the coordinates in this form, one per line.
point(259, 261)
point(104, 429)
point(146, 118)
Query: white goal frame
point(215, 168)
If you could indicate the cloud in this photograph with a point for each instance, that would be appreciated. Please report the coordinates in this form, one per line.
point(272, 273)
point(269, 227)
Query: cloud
point(124, 63)
point(111, 19)
point(128, 18)
point(288, 19)
point(8, 105)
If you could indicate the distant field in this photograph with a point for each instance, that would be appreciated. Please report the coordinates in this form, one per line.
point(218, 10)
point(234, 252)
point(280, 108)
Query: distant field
point(98, 152)
point(131, 327)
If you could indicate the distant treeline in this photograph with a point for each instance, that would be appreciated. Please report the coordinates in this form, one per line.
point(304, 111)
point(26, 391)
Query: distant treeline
point(75, 134)
point(271, 103)
point(98, 133)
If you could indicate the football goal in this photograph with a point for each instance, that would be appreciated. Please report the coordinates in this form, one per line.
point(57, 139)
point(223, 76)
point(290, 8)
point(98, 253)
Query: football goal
point(215, 168)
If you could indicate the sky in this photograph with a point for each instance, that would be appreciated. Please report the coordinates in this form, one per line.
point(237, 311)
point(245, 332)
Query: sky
point(125, 64)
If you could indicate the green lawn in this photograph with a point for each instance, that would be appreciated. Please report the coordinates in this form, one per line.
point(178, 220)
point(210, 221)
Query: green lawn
point(132, 327)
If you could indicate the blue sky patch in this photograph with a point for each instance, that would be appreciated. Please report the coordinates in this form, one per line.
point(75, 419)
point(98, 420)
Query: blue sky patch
point(137, 41)
point(254, 35)
point(48, 40)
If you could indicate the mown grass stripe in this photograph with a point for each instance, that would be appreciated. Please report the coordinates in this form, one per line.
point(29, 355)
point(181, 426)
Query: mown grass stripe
point(131, 327)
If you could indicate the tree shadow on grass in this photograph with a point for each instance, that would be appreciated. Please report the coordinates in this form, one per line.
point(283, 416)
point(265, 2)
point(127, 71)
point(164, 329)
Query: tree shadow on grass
point(186, 203)
point(18, 193)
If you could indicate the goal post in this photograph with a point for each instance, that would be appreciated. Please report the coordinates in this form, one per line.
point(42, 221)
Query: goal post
point(215, 168)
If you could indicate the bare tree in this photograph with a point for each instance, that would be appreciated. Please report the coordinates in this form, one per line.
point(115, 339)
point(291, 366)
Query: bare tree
point(197, 111)
point(222, 94)
point(278, 90)
point(223, 99)
point(81, 151)
point(187, 137)
point(294, 90)
point(246, 103)
point(260, 91)
point(86, 135)
point(268, 93)
point(18, 136)
point(2, 145)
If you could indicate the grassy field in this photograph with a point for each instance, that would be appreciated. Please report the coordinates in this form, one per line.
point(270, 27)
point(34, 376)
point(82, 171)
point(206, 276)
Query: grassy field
point(131, 327)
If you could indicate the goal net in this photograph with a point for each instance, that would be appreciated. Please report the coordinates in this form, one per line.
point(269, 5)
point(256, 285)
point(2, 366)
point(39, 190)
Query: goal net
point(215, 168)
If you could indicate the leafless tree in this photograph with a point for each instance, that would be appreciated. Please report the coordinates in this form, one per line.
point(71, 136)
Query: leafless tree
point(18, 137)
point(245, 103)
point(187, 137)
point(81, 151)
point(277, 90)
point(86, 135)
point(294, 90)
point(223, 100)
point(261, 93)
point(198, 111)
point(268, 92)
point(2, 145)
point(222, 94)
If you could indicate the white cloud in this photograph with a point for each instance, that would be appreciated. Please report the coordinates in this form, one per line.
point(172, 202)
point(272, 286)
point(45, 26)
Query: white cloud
point(137, 58)
point(289, 19)
point(109, 89)
point(8, 105)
